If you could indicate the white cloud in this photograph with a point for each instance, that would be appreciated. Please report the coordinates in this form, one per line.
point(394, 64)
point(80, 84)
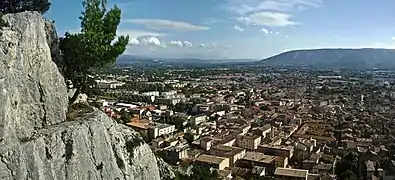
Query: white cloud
point(151, 41)
point(238, 28)
point(180, 43)
point(140, 33)
point(268, 13)
point(286, 36)
point(202, 45)
point(176, 43)
point(393, 38)
point(187, 44)
point(277, 33)
point(264, 30)
point(243, 7)
point(269, 19)
point(167, 24)
point(74, 31)
point(134, 41)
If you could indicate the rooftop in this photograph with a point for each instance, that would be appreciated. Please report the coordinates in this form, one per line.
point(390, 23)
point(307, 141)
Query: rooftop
point(229, 150)
point(284, 148)
point(259, 157)
point(210, 159)
point(291, 172)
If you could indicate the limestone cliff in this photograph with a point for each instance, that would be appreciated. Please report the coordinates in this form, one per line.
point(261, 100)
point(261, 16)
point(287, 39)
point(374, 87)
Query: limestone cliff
point(36, 141)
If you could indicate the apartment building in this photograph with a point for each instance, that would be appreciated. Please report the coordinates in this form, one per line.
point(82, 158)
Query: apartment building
point(249, 142)
point(213, 161)
point(233, 153)
point(159, 129)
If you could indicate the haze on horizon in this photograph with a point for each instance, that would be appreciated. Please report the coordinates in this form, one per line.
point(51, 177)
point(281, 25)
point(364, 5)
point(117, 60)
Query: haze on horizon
point(242, 28)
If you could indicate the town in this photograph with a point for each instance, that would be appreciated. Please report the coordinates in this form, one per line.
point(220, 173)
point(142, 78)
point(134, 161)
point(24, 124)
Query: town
point(258, 123)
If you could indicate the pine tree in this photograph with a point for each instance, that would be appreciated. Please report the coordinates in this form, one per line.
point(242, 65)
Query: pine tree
point(96, 46)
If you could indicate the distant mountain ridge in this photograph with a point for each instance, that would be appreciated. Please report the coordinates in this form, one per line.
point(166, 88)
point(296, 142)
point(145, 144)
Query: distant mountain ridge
point(132, 59)
point(335, 58)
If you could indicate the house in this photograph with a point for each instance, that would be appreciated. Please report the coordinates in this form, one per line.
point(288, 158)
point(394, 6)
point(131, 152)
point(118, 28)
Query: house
point(277, 150)
point(249, 142)
point(233, 153)
point(206, 143)
point(196, 120)
point(213, 161)
point(290, 174)
point(159, 129)
point(252, 159)
point(323, 169)
point(176, 153)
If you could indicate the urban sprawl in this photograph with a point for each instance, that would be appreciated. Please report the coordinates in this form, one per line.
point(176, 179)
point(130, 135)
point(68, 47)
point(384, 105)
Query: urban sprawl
point(252, 123)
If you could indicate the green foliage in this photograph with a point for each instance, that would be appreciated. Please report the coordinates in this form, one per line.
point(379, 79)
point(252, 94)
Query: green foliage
point(189, 137)
point(174, 120)
point(125, 116)
point(15, 6)
point(183, 107)
point(348, 175)
point(203, 173)
point(348, 163)
point(327, 159)
point(94, 47)
point(199, 172)
point(264, 108)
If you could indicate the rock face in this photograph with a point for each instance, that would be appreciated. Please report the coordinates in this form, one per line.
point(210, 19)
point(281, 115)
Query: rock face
point(36, 141)
point(53, 43)
point(33, 92)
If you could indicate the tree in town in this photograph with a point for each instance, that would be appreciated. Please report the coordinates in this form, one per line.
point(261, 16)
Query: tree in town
point(189, 137)
point(96, 46)
point(15, 6)
point(348, 166)
point(348, 175)
point(125, 116)
point(203, 173)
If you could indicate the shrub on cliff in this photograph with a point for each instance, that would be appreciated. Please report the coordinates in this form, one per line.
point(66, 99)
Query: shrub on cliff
point(15, 6)
point(96, 46)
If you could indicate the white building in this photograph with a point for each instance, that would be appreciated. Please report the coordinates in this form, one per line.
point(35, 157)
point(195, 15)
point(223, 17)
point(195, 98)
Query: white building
point(159, 129)
point(249, 142)
point(169, 93)
point(103, 84)
point(151, 93)
point(196, 120)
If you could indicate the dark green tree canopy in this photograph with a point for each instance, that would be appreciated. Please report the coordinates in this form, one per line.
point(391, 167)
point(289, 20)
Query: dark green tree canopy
point(15, 6)
point(96, 46)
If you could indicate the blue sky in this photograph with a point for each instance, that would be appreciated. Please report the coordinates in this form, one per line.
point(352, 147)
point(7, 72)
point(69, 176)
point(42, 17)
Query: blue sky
point(242, 28)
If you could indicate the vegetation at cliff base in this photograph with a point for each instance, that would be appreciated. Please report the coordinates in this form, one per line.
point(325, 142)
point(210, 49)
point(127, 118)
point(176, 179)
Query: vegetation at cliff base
point(96, 46)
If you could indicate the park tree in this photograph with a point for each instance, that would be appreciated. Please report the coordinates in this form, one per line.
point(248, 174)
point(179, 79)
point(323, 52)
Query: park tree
point(15, 6)
point(95, 46)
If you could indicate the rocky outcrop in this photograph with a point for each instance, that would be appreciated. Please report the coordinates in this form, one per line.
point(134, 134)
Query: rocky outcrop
point(165, 170)
point(32, 91)
point(90, 147)
point(53, 43)
point(36, 141)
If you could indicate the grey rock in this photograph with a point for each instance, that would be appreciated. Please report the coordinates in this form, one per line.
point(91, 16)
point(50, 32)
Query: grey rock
point(90, 147)
point(53, 43)
point(36, 141)
point(165, 170)
point(32, 91)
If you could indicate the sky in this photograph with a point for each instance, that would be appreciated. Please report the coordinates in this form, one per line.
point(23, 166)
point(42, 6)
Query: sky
point(234, 29)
